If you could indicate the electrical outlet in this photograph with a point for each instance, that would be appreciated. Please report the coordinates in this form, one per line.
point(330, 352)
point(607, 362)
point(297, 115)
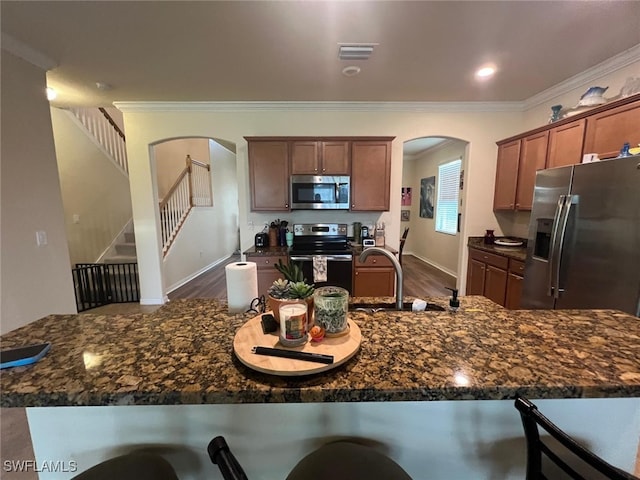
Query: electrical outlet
point(41, 238)
point(250, 224)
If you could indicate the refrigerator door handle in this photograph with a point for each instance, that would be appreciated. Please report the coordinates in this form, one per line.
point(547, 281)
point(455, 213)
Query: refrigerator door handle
point(553, 246)
point(568, 203)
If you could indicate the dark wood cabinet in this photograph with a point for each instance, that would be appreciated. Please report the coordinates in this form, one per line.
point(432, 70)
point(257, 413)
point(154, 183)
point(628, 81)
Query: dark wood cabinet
point(267, 273)
point(607, 131)
point(515, 277)
point(506, 176)
point(370, 175)
point(602, 130)
point(533, 157)
point(375, 277)
point(269, 175)
point(565, 144)
point(487, 275)
point(320, 157)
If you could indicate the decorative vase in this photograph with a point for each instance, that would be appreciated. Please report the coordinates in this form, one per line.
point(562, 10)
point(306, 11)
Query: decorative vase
point(555, 113)
point(489, 237)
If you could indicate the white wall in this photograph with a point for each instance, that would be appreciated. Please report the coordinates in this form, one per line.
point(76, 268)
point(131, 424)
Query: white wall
point(436, 248)
point(35, 281)
point(92, 187)
point(210, 234)
point(171, 157)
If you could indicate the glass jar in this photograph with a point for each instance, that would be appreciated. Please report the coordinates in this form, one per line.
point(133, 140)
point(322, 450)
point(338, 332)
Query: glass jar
point(330, 308)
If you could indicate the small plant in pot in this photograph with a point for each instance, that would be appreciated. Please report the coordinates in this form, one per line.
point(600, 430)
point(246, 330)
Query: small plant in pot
point(291, 289)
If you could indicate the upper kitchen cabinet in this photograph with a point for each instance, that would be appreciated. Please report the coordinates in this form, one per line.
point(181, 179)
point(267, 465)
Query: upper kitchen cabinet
point(320, 158)
point(565, 144)
point(603, 130)
point(269, 175)
point(607, 131)
point(533, 157)
point(371, 174)
point(506, 176)
point(518, 162)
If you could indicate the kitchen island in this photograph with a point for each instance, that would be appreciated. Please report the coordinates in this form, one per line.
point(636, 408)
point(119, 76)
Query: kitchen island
point(170, 379)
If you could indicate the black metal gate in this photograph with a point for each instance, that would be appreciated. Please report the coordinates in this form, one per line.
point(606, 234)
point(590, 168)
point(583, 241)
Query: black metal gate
point(98, 284)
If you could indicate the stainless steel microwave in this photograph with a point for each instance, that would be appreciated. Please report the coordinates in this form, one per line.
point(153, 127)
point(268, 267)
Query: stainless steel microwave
point(318, 192)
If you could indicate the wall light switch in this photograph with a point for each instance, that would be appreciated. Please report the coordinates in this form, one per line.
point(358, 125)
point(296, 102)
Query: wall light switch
point(41, 238)
point(76, 218)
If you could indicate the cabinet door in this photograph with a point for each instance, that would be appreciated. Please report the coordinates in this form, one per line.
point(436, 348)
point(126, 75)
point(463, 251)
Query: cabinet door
point(608, 131)
point(370, 175)
point(475, 277)
point(565, 144)
point(495, 284)
point(514, 291)
point(374, 282)
point(533, 158)
point(504, 197)
point(305, 158)
point(335, 158)
point(267, 273)
point(269, 175)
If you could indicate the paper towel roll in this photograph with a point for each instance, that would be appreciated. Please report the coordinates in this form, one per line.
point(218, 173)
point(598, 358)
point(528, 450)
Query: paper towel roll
point(242, 285)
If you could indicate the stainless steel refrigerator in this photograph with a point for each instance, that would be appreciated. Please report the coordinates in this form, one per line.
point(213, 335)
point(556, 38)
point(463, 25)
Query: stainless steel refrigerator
point(583, 249)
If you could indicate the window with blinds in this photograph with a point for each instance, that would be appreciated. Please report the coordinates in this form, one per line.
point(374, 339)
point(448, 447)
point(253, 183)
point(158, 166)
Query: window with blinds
point(448, 196)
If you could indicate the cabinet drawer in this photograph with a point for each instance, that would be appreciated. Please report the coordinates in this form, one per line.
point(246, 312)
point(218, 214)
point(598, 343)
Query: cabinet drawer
point(264, 262)
point(374, 260)
point(516, 267)
point(489, 258)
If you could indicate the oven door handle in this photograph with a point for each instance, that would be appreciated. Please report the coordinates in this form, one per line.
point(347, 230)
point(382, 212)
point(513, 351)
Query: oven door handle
point(330, 258)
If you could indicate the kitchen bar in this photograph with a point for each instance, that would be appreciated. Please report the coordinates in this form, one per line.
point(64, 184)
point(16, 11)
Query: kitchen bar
point(170, 378)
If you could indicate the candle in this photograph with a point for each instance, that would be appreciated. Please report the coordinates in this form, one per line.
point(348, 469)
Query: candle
point(293, 324)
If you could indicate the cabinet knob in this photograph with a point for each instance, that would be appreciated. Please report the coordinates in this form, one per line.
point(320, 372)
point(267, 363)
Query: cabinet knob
point(324, 169)
point(266, 261)
point(353, 205)
point(517, 205)
point(286, 205)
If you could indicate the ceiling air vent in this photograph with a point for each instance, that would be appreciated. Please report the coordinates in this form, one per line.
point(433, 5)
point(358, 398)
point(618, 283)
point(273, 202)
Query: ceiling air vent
point(358, 51)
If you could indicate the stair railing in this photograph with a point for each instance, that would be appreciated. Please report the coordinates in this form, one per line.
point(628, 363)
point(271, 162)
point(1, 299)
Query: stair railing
point(191, 189)
point(105, 132)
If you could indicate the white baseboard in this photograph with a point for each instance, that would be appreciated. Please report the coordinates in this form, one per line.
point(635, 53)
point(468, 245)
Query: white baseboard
point(197, 274)
point(154, 301)
point(435, 265)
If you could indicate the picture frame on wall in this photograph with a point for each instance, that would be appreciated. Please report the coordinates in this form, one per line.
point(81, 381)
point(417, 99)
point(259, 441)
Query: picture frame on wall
point(427, 192)
point(406, 196)
point(405, 215)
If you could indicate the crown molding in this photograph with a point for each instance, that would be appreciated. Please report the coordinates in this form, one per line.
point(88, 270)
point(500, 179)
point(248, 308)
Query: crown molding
point(440, 107)
point(594, 73)
point(25, 52)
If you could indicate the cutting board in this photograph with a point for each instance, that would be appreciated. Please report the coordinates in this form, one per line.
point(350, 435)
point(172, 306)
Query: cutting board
point(250, 335)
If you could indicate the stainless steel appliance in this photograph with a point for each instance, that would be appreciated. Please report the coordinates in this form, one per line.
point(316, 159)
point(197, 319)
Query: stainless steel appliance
point(327, 241)
point(317, 192)
point(583, 249)
point(261, 240)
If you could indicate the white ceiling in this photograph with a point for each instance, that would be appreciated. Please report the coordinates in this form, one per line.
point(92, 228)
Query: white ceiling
point(288, 50)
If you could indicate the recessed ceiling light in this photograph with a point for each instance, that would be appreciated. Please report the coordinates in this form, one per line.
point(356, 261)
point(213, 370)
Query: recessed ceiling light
point(51, 94)
point(485, 72)
point(350, 71)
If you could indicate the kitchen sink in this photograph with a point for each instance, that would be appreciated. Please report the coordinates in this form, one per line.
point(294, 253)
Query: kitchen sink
point(382, 306)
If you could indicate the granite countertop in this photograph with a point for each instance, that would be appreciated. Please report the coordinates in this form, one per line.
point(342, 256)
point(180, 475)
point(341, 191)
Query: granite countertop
point(517, 253)
point(182, 354)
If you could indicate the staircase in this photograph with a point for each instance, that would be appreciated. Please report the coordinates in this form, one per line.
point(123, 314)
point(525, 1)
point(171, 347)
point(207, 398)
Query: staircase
point(124, 249)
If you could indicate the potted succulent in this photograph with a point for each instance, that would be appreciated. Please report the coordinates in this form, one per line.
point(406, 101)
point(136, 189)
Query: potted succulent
point(293, 288)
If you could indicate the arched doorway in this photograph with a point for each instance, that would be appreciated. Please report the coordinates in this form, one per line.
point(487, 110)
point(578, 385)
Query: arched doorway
point(431, 239)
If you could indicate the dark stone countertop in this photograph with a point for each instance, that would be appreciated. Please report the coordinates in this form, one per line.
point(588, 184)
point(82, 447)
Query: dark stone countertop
point(517, 253)
point(182, 354)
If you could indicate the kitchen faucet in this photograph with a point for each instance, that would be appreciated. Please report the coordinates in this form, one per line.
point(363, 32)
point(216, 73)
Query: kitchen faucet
point(369, 250)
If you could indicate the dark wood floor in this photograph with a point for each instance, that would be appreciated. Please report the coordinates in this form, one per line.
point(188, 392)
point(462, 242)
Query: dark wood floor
point(420, 280)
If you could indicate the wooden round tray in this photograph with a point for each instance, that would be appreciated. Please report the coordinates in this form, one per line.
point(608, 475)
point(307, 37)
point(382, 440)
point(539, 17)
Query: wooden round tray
point(250, 335)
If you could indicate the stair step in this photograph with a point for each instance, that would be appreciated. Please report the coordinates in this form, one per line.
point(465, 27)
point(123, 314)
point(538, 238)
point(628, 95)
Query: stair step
point(121, 259)
point(126, 249)
point(129, 237)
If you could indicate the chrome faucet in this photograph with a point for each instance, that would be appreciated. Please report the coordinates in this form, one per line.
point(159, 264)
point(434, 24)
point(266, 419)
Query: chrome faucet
point(369, 250)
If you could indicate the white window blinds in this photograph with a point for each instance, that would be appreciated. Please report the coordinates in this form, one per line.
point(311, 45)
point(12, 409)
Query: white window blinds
point(448, 195)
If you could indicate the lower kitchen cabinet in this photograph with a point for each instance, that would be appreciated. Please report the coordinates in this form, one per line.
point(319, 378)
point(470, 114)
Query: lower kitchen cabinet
point(267, 273)
point(375, 277)
point(515, 278)
point(487, 275)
